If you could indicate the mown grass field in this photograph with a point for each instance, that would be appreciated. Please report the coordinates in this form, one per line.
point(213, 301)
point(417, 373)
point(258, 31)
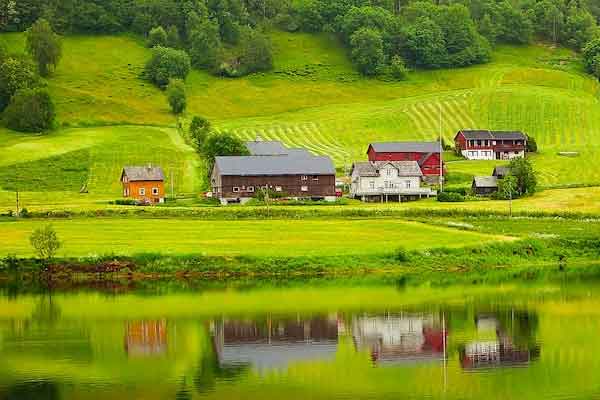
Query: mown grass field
point(313, 98)
point(83, 237)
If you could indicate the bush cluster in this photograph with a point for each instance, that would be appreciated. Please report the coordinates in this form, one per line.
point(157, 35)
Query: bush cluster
point(450, 197)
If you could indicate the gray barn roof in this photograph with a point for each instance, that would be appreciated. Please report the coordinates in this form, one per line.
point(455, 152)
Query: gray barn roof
point(485, 181)
point(501, 171)
point(405, 168)
point(266, 148)
point(148, 173)
point(493, 135)
point(274, 165)
point(406, 147)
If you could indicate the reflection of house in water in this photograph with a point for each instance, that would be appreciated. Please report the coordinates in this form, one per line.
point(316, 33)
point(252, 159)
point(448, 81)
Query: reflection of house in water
point(510, 343)
point(144, 338)
point(400, 338)
point(274, 343)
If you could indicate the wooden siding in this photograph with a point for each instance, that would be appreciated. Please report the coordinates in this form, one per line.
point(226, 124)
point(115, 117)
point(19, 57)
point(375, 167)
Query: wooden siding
point(291, 185)
point(132, 190)
point(429, 166)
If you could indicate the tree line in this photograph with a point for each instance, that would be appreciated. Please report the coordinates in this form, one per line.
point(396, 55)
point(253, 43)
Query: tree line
point(227, 36)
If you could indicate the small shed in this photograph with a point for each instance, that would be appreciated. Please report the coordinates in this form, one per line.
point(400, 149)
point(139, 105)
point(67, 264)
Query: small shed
point(485, 185)
point(501, 172)
point(145, 184)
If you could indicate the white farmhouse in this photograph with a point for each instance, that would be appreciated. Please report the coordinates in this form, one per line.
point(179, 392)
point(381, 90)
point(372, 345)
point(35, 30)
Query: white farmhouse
point(388, 181)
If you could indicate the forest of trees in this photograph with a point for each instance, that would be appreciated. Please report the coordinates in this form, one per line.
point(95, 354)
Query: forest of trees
point(227, 36)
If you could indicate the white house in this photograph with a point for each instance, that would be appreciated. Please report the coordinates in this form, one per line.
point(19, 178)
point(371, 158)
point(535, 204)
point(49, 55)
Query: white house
point(387, 180)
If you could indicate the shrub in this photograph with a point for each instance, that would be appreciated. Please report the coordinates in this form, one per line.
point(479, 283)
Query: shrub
point(199, 130)
point(45, 242)
point(450, 197)
point(15, 74)
point(176, 96)
point(125, 202)
point(401, 255)
point(157, 37)
point(166, 64)
point(30, 110)
point(398, 69)
point(532, 146)
point(591, 57)
point(367, 50)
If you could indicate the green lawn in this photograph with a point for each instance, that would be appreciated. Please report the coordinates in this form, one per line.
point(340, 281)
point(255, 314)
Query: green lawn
point(313, 98)
point(288, 238)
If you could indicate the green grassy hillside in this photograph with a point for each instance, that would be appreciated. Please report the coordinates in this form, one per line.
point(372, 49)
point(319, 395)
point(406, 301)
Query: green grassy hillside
point(313, 98)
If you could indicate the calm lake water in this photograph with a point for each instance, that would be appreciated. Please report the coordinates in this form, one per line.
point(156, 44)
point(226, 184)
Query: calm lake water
point(322, 340)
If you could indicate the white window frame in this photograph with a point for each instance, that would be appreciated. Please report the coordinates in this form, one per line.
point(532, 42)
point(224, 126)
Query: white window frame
point(250, 189)
point(315, 178)
point(372, 185)
point(278, 188)
point(236, 189)
point(155, 191)
point(142, 191)
point(304, 178)
point(408, 184)
point(304, 188)
point(389, 172)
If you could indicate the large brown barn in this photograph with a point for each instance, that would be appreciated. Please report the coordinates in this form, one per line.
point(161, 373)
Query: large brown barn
point(296, 174)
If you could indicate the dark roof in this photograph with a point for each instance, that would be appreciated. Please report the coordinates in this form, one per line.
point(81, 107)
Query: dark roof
point(406, 147)
point(492, 135)
point(148, 173)
point(266, 148)
point(274, 165)
point(405, 168)
point(501, 171)
point(485, 181)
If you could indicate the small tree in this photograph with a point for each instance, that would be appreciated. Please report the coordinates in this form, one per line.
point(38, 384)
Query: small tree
point(222, 144)
point(172, 37)
point(398, 68)
point(176, 96)
point(166, 64)
point(526, 180)
point(532, 146)
point(45, 242)
point(15, 74)
point(199, 130)
point(367, 50)
point(157, 37)
point(507, 190)
point(30, 110)
point(44, 45)
point(591, 57)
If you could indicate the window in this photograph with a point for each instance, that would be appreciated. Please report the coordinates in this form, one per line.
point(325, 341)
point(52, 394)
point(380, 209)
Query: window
point(304, 178)
point(250, 189)
point(389, 172)
point(278, 188)
point(386, 184)
point(371, 184)
point(408, 183)
point(315, 178)
point(236, 189)
point(304, 188)
point(142, 191)
point(155, 191)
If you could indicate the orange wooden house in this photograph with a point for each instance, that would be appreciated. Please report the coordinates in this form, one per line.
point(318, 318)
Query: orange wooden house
point(145, 184)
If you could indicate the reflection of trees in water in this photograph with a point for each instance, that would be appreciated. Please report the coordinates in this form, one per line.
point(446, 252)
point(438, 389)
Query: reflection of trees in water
point(46, 311)
point(40, 390)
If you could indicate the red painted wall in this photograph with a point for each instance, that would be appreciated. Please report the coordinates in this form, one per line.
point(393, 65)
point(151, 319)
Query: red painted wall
point(430, 166)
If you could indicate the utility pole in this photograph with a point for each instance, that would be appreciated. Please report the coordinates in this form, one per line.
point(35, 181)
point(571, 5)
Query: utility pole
point(172, 186)
point(17, 188)
point(441, 152)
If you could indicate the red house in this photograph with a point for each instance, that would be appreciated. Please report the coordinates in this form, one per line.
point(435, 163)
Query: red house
point(490, 145)
point(427, 154)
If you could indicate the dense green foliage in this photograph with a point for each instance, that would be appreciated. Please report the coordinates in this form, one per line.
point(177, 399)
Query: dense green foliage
point(15, 73)
point(167, 64)
point(426, 34)
point(158, 37)
point(30, 110)
point(222, 144)
point(591, 57)
point(198, 132)
point(44, 45)
point(525, 177)
point(176, 96)
point(450, 197)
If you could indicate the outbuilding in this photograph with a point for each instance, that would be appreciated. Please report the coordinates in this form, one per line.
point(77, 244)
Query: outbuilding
point(144, 184)
point(485, 185)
